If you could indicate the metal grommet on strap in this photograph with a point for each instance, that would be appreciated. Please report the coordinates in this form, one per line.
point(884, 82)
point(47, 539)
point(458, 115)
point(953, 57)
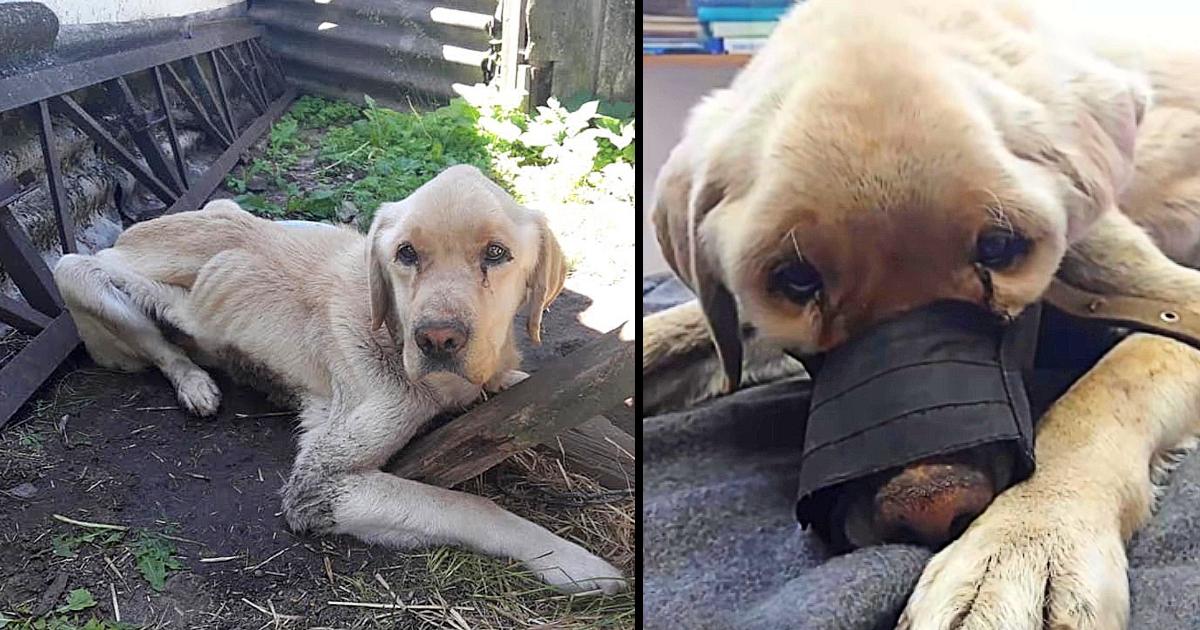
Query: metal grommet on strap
point(1169, 317)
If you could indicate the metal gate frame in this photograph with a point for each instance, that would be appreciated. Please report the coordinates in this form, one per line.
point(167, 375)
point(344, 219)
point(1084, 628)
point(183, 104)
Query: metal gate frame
point(232, 51)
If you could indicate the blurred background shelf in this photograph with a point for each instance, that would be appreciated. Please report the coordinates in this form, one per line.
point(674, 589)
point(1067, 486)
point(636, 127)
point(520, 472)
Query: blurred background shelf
point(695, 60)
point(672, 84)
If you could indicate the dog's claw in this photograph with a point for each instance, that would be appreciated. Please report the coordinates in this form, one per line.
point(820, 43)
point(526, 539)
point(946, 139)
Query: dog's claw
point(504, 381)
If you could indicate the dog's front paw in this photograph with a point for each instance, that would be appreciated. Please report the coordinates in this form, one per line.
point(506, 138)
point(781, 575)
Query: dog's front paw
point(1033, 560)
point(505, 380)
point(198, 393)
point(572, 569)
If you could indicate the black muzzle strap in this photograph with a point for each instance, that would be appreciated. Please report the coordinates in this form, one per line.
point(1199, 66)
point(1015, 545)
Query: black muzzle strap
point(940, 379)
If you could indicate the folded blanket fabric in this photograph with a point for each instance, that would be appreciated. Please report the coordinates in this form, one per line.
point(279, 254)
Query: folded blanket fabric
point(722, 549)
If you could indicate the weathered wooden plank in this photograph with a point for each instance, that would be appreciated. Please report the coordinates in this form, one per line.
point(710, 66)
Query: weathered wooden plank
point(600, 450)
point(562, 394)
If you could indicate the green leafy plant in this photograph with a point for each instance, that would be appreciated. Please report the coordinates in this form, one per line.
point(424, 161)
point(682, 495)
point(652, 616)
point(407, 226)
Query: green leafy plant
point(63, 617)
point(77, 600)
point(315, 113)
point(373, 154)
point(260, 205)
point(155, 559)
point(67, 545)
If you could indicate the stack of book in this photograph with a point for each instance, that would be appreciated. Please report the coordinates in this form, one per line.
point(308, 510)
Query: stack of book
point(671, 27)
point(739, 27)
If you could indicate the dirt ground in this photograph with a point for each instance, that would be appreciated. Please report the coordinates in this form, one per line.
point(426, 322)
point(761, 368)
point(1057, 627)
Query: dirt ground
point(112, 448)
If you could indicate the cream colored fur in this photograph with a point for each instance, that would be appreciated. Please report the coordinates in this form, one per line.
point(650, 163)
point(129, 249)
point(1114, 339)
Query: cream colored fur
point(328, 317)
point(900, 117)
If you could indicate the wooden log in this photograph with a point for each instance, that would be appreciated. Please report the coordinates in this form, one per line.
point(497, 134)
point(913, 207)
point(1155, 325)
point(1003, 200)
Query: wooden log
point(600, 450)
point(623, 416)
point(563, 394)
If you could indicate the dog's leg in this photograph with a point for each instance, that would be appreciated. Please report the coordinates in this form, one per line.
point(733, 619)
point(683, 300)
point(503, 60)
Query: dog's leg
point(110, 305)
point(1049, 552)
point(679, 361)
point(336, 486)
point(1118, 257)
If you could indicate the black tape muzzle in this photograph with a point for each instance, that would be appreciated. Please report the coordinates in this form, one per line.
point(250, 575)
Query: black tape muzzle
point(937, 380)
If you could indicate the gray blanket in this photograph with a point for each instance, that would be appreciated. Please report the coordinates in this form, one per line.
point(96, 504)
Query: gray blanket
point(721, 548)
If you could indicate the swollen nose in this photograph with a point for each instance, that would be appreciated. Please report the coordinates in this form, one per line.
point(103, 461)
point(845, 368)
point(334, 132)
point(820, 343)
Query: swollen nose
point(931, 504)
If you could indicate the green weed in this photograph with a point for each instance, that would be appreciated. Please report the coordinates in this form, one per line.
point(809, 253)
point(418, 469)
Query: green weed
point(31, 441)
point(370, 155)
point(318, 113)
point(58, 622)
point(155, 558)
point(67, 545)
point(64, 617)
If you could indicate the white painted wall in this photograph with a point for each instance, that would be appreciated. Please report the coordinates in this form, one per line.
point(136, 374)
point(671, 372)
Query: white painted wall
point(98, 11)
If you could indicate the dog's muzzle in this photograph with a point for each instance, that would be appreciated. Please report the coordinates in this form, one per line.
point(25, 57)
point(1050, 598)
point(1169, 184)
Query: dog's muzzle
point(938, 380)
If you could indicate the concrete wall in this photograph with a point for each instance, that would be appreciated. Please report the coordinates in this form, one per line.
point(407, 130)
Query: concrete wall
point(107, 11)
point(584, 46)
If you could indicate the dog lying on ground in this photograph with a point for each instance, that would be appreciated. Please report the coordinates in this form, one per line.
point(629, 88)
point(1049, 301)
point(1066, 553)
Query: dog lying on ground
point(372, 336)
point(877, 156)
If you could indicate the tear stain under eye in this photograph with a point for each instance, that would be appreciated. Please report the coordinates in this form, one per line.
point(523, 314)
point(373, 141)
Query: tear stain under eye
point(483, 269)
point(989, 292)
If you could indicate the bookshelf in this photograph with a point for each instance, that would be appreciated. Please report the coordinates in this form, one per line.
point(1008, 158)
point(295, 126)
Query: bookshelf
point(719, 61)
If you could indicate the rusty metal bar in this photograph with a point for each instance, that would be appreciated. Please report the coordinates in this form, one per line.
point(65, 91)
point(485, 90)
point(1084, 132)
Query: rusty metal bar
point(253, 69)
point(25, 373)
point(259, 107)
point(194, 106)
point(212, 60)
point(67, 106)
point(216, 173)
point(30, 88)
point(192, 67)
point(58, 199)
point(274, 70)
point(25, 266)
point(236, 56)
point(172, 134)
point(138, 122)
point(21, 316)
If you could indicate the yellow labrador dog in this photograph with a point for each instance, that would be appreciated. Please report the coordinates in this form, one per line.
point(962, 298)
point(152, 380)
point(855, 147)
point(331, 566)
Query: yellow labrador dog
point(880, 155)
point(372, 336)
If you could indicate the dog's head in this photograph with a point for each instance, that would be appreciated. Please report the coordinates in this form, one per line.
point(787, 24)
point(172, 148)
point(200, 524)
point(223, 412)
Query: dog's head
point(871, 162)
point(449, 267)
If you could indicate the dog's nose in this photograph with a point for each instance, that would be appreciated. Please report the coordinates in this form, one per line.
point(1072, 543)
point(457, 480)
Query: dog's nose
point(441, 340)
point(931, 503)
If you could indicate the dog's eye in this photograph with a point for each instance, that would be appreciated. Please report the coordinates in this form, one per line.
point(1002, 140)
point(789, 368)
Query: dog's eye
point(798, 281)
point(999, 248)
point(496, 254)
point(407, 255)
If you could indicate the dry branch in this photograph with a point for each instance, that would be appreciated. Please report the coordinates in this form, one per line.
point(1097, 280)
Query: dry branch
point(562, 394)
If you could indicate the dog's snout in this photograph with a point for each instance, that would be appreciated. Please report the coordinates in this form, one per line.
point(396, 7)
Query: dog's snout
point(441, 340)
point(931, 503)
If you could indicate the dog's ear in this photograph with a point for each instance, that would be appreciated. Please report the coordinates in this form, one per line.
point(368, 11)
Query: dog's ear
point(679, 211)
point(379, 283)
point(546, 280)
